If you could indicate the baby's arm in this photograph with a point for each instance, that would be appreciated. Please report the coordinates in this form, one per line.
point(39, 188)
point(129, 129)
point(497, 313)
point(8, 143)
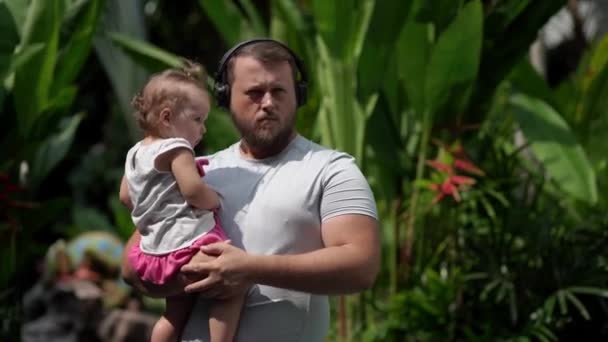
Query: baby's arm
point(125, 199)
point(196, 192)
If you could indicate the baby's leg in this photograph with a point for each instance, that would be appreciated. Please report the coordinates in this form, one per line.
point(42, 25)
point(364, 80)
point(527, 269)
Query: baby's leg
point(224, 318)
point(171, 324)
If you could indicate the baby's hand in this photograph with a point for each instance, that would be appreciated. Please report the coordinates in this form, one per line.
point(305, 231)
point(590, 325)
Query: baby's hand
point(199, 165)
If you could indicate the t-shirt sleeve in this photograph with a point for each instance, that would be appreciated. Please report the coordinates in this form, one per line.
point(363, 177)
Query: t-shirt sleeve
point(345, 190)
point(170, 145)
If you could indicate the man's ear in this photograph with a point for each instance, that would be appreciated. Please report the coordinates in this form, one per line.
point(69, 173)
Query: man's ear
point(165, 117)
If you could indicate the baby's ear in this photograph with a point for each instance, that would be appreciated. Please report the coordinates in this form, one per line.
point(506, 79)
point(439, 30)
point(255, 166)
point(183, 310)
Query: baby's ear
point(165, 116)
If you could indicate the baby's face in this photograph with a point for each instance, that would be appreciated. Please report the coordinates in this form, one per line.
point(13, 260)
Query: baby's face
point(190, 122)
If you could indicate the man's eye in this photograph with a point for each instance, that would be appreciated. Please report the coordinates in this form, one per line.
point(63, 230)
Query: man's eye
point(255, 94)
point(198, 119)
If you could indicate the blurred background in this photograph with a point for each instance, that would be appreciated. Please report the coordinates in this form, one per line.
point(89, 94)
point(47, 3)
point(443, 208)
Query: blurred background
point(478, 123)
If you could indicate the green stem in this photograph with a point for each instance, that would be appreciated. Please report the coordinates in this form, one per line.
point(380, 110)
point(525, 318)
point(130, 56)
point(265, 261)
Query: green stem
point(411, 222)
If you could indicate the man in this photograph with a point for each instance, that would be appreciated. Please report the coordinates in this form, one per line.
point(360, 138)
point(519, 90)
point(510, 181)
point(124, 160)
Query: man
point(301, 218)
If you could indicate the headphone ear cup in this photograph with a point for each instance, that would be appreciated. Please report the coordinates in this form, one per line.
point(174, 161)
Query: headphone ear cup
point(222, 96)
point(302, 93)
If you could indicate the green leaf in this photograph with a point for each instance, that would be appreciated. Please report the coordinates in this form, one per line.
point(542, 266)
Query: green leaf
point(504, 47)
point(343, 25)
point(502, 14)
point(75, 52)
point(595, 96)
point(452, 66)
point(549, 306)
point(438, 12)
point(18, 10)
point(292, 15)
point(526, 80)
point(33, 79)
point(413, 51)
point(561, 300)
point(20, 58)
point(256, 20)
point(334, 21)
point(577, 303)
point(554, 144)
point(10, 38)
point(145, 54)
point(52, 151)
point(384, 30)
point(595, 291)
point(229, 21)
point(125, 76)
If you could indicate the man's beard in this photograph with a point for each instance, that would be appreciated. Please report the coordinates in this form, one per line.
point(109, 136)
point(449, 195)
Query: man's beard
point(267, 140)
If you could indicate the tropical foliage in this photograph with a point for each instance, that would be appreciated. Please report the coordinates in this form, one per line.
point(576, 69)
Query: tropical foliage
point(491, 185)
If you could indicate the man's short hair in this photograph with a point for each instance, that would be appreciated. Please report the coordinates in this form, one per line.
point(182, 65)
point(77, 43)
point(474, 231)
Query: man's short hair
point(267, 52)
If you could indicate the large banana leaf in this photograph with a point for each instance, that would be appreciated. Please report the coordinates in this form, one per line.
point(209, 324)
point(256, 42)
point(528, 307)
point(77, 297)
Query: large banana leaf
point(342, 116)
point(75, 52)
point(440, 13)
point(344, 34)
point(149, 56)
point(231, 23)
point(386, 23)
point(34, 79)
point(526, 80)
point(125, 75)
point(53, 150)
point(455, 58)
point(595, 83)
point(508, 33)
point(18, 9)
point(413, 50)
point(10, 38)
point(555, 146)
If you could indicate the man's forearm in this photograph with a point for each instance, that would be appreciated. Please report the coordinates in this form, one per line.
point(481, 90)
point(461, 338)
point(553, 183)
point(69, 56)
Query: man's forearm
point(331, 270)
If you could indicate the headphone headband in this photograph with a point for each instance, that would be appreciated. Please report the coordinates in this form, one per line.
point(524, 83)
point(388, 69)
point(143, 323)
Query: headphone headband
point(222, 89)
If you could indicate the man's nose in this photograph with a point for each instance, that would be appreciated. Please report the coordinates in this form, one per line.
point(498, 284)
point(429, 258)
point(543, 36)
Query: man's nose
point(267, 100)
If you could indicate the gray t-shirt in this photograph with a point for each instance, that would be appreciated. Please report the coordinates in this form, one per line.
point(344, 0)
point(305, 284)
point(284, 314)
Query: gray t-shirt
point(164, 219)
point(276, 206)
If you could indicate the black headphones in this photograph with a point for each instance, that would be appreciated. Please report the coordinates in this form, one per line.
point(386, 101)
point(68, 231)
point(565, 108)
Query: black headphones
point(221, 88)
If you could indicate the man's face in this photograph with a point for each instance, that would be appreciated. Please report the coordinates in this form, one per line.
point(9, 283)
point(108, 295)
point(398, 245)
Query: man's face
point(263, 102)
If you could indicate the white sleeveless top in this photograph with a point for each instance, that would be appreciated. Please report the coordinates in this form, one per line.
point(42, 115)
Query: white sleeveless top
point(164, 219)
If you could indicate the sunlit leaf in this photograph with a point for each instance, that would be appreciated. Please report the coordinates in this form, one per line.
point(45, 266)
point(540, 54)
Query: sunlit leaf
point(33, 80)
point(76, 50)
point(10, 38)
point(451, 66)
point(229, 21)
point(554, 144)
point(145, 54)
point(53, 150)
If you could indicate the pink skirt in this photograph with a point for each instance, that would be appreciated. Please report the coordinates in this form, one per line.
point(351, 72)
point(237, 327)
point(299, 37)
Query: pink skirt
point(159, 269)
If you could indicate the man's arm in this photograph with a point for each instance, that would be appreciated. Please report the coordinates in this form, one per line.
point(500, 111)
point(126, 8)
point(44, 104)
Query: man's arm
point(349, 262)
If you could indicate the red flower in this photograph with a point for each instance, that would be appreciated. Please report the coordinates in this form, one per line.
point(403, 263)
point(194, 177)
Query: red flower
point(468, 167)
point(450, 159)
point(451, 186)
point(439, 166)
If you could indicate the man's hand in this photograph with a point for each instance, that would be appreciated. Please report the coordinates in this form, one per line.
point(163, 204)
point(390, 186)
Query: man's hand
point(227, 274)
